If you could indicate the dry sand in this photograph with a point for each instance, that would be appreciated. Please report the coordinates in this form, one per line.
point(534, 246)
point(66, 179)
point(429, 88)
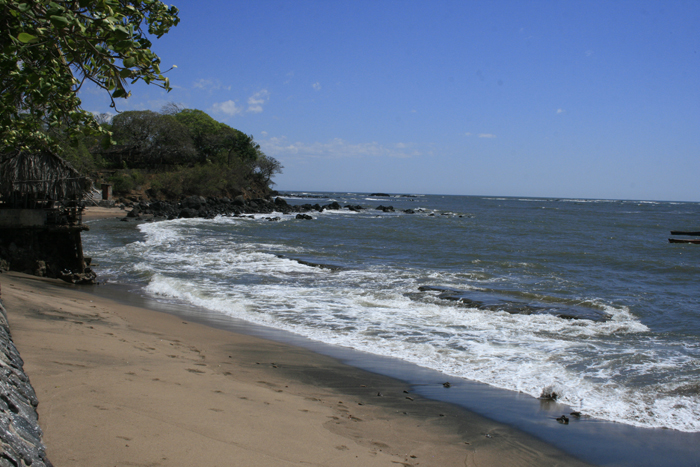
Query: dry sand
point(126, 386)
point(97, 212)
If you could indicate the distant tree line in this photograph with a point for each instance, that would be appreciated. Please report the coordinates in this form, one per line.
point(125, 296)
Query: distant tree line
point(175, 152)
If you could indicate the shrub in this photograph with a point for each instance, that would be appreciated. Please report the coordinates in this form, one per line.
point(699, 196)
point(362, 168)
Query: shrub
point(122, 183)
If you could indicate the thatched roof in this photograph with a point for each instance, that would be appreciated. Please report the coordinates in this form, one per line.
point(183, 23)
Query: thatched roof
point(43, 175)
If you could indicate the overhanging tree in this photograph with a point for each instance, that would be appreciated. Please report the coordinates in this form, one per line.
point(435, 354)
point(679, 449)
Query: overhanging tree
point(49, 49)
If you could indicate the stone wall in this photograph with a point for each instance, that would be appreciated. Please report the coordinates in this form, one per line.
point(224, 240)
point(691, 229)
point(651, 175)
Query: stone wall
point(20, 435)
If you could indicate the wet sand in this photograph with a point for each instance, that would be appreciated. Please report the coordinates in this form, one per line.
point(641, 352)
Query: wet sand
point(126, 385)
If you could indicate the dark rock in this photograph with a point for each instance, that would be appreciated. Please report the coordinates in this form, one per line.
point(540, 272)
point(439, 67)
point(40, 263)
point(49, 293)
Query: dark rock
point(40, 268)
point(193, 202)
point(332, 267)
point(385, 208)
point(88, 277)
point(549, 394)
point(20, 433)
point(134, 212)
point(304, 217)
point(494, 302)
point(188, 213)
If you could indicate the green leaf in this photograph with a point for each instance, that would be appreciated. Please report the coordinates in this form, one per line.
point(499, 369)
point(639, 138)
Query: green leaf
point(26, 37)
point(105, 43)
point(59, 21)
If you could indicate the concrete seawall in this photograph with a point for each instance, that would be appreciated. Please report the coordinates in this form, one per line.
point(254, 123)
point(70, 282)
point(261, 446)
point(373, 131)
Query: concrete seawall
point(20, 435)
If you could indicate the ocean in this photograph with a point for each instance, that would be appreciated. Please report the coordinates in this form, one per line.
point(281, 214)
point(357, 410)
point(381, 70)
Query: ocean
point(582, 299)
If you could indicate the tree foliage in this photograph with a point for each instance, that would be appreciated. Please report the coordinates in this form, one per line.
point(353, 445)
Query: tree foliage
point(148, 139)
point(188, 152)
point(266, 167)
point(50, 48)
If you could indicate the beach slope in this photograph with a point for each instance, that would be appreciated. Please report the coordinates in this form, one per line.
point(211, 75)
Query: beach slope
point(122, 385)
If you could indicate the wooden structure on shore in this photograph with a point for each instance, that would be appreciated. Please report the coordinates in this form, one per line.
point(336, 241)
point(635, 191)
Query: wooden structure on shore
point(40, 214)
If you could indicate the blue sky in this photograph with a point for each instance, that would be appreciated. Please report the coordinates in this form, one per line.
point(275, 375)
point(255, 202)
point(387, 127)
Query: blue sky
point(594, 99)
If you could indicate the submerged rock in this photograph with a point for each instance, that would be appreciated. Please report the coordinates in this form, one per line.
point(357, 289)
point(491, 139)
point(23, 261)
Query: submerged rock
point(494, 302)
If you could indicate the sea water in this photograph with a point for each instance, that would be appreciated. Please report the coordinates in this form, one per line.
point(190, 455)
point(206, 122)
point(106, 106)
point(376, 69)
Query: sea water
point(530, 273)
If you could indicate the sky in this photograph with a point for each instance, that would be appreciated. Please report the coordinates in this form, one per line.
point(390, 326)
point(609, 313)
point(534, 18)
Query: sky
point(563, 99)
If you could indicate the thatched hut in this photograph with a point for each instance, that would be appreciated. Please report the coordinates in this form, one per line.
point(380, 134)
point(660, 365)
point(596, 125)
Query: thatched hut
point(31, 180)
point(40, 221)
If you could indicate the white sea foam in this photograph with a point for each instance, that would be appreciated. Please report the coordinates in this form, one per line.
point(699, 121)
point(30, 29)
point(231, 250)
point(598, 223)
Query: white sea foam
point(589, 364)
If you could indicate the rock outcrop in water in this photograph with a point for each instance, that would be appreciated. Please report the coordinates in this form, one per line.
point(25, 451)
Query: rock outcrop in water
point(494, 302)
point(208, 208)
point(20, 435)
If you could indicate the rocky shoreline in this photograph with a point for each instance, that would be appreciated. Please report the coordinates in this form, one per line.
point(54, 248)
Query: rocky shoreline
point(20, 434)
point(208, 208)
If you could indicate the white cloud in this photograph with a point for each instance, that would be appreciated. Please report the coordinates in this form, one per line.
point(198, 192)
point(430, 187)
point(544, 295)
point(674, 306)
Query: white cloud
point(316, 86)
point(264, 134)
point(560, 111)
point(467, 134)
point(335, 149)
point(209, 85)
point(256, 101)
point(105, 117)
point(486, 135)
point(229, 107)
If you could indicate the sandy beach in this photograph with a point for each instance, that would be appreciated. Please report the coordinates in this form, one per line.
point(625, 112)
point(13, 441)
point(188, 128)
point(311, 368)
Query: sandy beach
point(121, 385)
point(92, 213)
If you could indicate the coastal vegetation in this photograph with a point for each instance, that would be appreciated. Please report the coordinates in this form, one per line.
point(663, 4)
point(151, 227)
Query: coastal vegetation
point(181, 152)
point(171, 154)
point(50, 49)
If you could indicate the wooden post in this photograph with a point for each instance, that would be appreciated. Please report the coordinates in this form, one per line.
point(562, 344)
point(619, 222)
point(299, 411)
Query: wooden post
point(78, 242)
